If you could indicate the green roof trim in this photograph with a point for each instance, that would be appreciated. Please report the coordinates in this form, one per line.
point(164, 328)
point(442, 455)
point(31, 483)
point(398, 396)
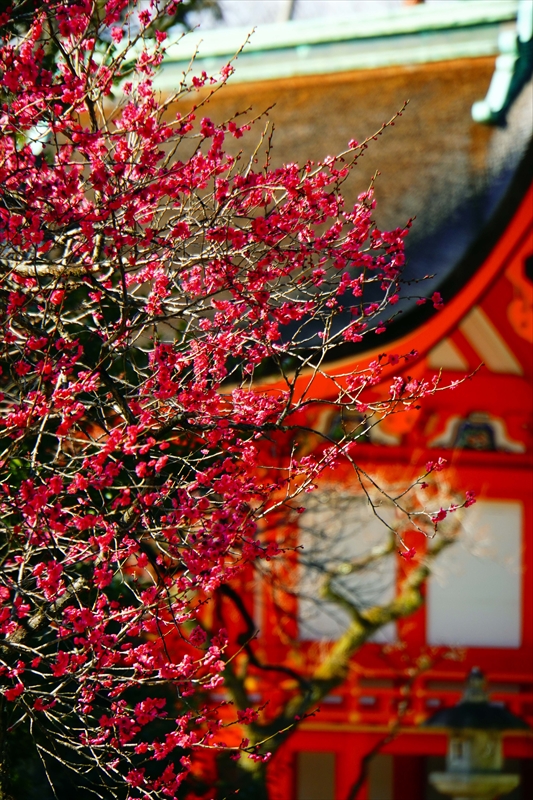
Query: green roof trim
point(409, 35)
point(513, 69)
point(455, 14)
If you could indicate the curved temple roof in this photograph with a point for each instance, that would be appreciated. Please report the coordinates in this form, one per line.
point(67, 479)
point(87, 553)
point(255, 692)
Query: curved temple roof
point(328, 81)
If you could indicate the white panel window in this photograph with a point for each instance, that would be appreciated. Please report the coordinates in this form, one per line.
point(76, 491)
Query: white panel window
point(336, 528)
point(474, 596)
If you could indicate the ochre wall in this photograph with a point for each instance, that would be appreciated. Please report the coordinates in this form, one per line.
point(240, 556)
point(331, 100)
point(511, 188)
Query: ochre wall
point(432, 158)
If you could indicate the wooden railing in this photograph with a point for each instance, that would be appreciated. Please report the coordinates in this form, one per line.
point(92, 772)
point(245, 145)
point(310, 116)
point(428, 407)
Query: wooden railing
point(382, 698)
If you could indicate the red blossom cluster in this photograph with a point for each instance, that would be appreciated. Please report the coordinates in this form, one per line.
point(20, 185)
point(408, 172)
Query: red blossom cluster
point(150, 278)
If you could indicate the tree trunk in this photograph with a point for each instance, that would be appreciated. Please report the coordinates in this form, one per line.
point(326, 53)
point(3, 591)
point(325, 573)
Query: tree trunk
point(4, 766)
point(243, 779)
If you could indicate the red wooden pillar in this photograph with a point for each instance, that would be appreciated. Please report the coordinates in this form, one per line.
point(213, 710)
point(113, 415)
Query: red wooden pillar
point(348, 749)
point(348, 765)
point(281, 775)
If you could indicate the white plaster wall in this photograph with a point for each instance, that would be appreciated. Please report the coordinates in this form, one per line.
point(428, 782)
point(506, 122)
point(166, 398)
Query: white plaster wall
point(474, 597)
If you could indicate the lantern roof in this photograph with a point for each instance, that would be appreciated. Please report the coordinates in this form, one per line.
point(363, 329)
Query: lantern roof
point(475, 712)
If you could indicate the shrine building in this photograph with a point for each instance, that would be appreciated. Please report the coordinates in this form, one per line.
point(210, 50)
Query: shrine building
point(459, 161)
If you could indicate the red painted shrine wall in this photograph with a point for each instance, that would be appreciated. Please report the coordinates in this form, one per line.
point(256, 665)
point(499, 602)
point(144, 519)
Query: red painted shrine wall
point(490, 320)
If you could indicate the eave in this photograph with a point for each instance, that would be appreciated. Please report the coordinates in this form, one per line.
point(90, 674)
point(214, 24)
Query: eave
point(407, 36)
point(515, 241)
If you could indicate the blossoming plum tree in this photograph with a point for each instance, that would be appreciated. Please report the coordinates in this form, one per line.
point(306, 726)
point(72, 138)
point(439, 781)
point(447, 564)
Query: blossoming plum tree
point(150, 280)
